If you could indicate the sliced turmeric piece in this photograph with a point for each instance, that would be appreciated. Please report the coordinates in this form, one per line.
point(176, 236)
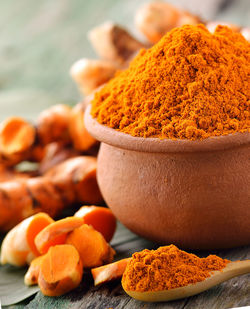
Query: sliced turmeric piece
point(56, 233)
point(101, 218)
point(91, 245)
point(81, 139)
point(52, 125)
point(16, 136)
point(18, 247)
point(31, 276)
point(109, 272)
point(60, 270)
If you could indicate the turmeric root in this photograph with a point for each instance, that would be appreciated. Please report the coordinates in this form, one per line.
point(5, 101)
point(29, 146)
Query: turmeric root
point(55, 153)
point(81, 138)
point(246, 33)
point(211, 26)
point(156, 18)
point(91, 245)
point(52, 125)
point(31, 276)
point(77, 176)
point(73, 181)
point(185, 18)
point(56, 233)
point(17, 137)
point(109, 272)
point(7, 174)
point(113, 43)
point(100, 218)
point(89, 74)
point(18, 247)
point(60, 270)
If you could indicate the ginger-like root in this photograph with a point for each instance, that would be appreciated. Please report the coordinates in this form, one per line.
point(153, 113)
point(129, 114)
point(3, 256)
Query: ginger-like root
point(89, 74)
point(77, 176)
point(113, 43)
point(100, 218)
point(18, 247)
point(52, 125)
point(109, 272)
point(31, 276)
point(60, 270)
point(37, 153)
point(56, 233)
point(246, 33)
point(91, 245)
point(186, 18)
point(17, 137)
point(155, 19)
point(73, 181)
point(7, 174)
point(55, 153)
point(212, 25)
point(81, 138)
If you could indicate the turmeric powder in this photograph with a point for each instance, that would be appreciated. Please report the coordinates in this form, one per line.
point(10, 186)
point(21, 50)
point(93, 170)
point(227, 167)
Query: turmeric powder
point(191, 85)
point(167, 268)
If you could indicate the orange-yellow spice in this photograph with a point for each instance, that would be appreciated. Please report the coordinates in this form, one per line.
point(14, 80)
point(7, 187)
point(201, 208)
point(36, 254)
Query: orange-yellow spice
point(167, 268)
point(191, 85)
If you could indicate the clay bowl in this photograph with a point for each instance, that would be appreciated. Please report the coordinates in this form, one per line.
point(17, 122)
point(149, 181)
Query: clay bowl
point(194, 194)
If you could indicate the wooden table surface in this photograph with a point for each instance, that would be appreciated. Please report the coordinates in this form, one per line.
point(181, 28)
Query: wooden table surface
point(39, 42)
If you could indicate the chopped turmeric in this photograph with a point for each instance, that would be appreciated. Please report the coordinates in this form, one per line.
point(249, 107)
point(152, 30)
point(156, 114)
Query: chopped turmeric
point(31, 276)
point(109, 272)
point(100, 218)
point(18, 247)
point(17, 137)
point(56, 233)
point(91, 245)
point(60, 270)
point(191, 85)
point(167, 268)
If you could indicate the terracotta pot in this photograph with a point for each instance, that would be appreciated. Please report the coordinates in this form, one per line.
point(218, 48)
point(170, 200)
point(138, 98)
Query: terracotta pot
point(194, 194)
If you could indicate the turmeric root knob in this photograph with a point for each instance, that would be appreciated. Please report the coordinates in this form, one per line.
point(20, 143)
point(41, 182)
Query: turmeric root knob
point(52, 125)
point(60, 270)
point(81, 138)
point(89, 74)
point(16, 136)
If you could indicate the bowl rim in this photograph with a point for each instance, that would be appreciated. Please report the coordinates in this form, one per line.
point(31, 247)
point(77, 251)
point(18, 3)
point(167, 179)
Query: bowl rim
point(126, 141)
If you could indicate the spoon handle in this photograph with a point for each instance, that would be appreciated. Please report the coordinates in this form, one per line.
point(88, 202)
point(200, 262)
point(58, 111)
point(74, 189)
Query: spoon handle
point(234, 269)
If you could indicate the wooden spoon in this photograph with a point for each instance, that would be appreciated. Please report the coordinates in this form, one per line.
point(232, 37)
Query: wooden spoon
point(233, 269)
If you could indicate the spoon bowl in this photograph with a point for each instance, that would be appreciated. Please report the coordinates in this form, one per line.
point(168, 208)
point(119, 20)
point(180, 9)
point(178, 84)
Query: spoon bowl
point(233, 269)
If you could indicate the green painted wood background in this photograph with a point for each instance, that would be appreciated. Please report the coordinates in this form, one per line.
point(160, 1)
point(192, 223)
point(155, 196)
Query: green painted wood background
point(39, 40)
